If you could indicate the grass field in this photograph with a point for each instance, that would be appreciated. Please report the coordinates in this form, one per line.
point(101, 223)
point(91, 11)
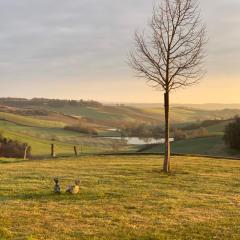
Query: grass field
point(110, 115)
point(121, 198)
point(28, 121)
point(213, 146)
point(40, 131)
point(41, 135)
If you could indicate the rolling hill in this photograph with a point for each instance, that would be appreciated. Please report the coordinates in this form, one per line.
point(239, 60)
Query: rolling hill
point(40, 122)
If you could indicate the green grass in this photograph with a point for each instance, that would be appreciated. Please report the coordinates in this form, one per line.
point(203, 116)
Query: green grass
point(121, 198)
point(218, 129)
point(64, 146)
point(97, 114)
point(110, 114)
point(38, 133)
point(213, 145)
point(40, 139)
point(29, 121)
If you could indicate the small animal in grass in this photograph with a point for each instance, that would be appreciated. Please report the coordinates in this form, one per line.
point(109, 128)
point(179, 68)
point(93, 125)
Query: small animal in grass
point(74, 189)
point(57, 188)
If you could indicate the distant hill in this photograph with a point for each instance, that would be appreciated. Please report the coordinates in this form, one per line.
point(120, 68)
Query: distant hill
point(114, 115)
point(23, 102)
point(211, 106)
point(205, 106)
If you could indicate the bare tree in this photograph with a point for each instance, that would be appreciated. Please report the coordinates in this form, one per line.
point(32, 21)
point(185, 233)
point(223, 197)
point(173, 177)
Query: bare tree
point(170, 54)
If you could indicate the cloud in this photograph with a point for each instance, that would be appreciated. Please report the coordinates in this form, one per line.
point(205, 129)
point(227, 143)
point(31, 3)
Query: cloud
point(68, 41)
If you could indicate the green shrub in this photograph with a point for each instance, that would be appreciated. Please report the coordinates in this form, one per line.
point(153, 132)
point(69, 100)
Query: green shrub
point(81, 128)
point(142, 130)
point(232, 134)
point(201, 132)
point(13, 149)
point(179, 134)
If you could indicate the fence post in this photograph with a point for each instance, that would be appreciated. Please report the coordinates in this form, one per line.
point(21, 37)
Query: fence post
point(25, 153)
point(53, 154)
point(75, 151)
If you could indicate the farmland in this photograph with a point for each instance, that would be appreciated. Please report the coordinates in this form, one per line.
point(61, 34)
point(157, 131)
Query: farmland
point(42, 122)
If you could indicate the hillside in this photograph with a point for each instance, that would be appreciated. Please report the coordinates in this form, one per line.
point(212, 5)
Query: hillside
point(125, 197)
point(111, 115)
point(40, 132)
point(212, 145)
point(41, 122)
point(204, 106)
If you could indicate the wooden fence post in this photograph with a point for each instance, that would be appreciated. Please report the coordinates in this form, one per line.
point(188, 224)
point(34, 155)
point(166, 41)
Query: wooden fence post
point(75, 151)
point(53, 154)
point(25, 153)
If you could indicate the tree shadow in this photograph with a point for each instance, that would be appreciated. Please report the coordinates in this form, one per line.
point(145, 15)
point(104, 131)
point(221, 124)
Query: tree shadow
point(51, 196)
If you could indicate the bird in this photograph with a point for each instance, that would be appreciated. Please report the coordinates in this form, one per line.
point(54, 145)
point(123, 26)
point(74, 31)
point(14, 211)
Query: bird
point(57, 188)
point(74, 189)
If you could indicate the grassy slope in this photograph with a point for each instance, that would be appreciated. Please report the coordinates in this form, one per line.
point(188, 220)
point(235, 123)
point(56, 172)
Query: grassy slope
point(98, 114)
point(212, 145)
point(39, 137)
point(218, 129)
point(39, 134)
point(121, 198)
point(204, 146)
point(29, 121)
point(109, 114)
point(38, 131)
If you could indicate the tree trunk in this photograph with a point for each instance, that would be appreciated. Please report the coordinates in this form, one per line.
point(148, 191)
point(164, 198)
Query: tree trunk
point(166, 164)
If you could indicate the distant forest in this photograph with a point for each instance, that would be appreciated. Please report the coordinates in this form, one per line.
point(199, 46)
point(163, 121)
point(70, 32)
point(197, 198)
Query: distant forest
point(23, 102)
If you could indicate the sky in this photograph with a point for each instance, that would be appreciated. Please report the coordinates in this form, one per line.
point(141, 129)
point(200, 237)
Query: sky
point(78, 50)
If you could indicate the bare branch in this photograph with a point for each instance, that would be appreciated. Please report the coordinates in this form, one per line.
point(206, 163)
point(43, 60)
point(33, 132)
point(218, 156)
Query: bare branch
point(171, 55)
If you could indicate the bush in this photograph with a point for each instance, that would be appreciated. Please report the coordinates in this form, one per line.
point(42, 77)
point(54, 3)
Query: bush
point(201, 132)
point(142, 130)
point(13, 149)
point(81, 128)
point(232, 134)
point(179, 134)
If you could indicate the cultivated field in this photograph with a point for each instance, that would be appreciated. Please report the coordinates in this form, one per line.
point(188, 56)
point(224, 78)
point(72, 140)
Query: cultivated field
point(121, 198)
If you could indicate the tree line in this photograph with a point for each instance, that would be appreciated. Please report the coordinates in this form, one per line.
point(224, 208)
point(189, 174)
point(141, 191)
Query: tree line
point(38, 102)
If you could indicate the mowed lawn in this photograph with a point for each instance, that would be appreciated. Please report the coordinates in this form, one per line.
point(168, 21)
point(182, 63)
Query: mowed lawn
point(125, 198)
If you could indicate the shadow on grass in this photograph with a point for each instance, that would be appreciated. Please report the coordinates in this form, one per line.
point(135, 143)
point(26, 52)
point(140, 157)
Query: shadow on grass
point(161, 173)
point(6, 161)
point(50, 196)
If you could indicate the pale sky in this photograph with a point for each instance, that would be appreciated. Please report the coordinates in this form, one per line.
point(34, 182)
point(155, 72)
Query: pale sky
point(78, 49)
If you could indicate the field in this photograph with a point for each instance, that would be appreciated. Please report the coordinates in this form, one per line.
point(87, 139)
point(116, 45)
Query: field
point(211, 146)
point(44, 123)
point(41, 133)
point(111, 115)
point(121, 198)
